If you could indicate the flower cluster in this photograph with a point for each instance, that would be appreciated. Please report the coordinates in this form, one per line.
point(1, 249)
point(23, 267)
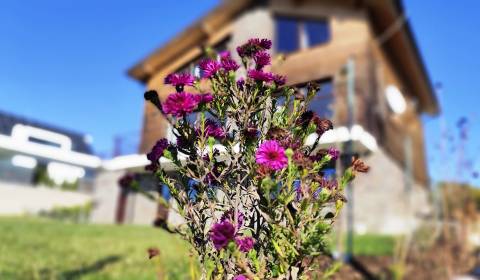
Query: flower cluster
point(252, 194)
point(253, 46)
point(228, 231)
point(212, 129)
point(180, 79)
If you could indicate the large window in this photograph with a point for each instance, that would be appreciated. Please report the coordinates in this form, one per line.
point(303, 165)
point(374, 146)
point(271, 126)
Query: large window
point(295, 33)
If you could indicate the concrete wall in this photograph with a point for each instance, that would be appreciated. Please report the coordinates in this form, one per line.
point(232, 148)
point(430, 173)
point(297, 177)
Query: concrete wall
point(381, 202)
point(138, 209)
point(105, 197)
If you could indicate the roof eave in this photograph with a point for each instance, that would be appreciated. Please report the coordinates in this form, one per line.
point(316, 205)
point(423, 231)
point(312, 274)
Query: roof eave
point(195, 35)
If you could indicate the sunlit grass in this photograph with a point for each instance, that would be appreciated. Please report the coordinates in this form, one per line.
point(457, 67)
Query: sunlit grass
point(32, 248)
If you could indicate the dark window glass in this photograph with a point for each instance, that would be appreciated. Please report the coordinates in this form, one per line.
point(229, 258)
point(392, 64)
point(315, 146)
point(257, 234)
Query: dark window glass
point(43, 142)
point(286, 34)
point(322, 103)
point(317, 32)
point(295, 33)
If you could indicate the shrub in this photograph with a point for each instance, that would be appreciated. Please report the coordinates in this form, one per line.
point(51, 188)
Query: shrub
point(254, 197)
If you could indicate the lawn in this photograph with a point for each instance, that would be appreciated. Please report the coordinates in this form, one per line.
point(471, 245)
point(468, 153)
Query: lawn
point(32, 248)
point(373, 245)
point(36, 248)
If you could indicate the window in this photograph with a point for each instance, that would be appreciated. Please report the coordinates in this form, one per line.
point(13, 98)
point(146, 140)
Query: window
point(43, 142)
point(295, 33)
point(322, 103)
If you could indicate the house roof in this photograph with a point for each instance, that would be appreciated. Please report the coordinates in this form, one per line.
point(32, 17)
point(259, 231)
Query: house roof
point(9, 121)
point(401, 46)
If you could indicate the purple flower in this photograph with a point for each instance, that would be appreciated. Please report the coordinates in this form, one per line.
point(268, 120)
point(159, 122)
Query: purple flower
point(244, 244)
point(240, 277)
point(253, 46)
point(180, 103)
point(222, 233)
point(262, 59)
point(209, 67)
point(179, 79)
point(259, 75)
point(270, 154)
point(157, 151)
point(126, 180)
point(213, 129)
point(251, 132)
point(265, 44)
point(230, 216)
point(279, 80)
point(241, 83)
point(204, 98)
point(227, 62)
point(334, 153)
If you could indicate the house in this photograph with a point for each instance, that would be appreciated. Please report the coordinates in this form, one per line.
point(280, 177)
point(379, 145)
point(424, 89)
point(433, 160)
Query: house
point(34, 155)
point(366, 46)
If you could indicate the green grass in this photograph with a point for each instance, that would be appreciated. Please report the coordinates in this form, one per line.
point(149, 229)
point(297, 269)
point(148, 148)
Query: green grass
point(32, 248)
point(369, 244)
point(373, 245)
point(36, 248)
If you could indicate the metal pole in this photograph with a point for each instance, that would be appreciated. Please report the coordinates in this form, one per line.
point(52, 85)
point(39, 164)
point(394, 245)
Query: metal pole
point(408, 174)
point(348, 151)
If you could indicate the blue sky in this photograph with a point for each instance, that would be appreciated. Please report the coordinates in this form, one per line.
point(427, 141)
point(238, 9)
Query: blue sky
point(65, 62)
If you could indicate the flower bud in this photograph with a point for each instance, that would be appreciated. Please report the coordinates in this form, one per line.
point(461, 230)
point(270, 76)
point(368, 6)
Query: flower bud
point(289, 153)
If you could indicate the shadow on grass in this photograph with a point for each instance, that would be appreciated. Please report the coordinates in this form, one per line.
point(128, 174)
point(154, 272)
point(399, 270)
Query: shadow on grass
point(94, 267)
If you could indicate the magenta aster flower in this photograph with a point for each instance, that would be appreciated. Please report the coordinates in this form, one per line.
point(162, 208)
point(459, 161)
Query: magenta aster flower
point(179, 79)
point(230, 216)
point(261, 59)
point(209, 67)
point(240, 83)
point(279, 80)
point(259, 75)
point(240, 277)
point(244, 244)
point(227, 62)
point(265, 44)
point(204, 98)
point(253, 46)
point(222, 233)
point(334, 153)
point(157, 151)
point(271, 155)
point(213, 129)
point(180, 103)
